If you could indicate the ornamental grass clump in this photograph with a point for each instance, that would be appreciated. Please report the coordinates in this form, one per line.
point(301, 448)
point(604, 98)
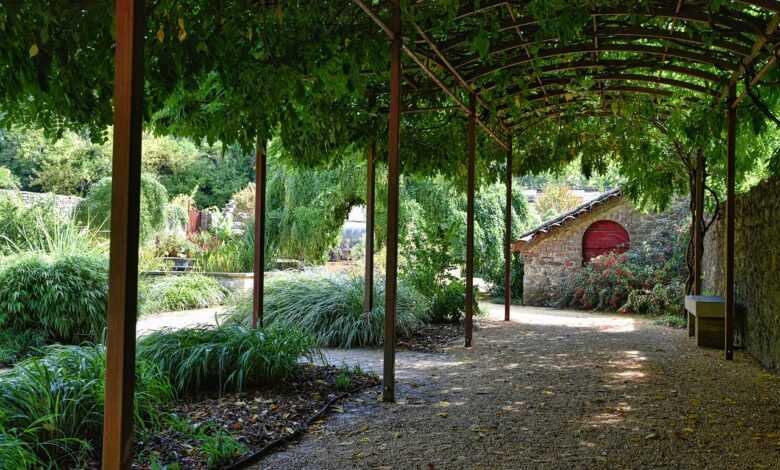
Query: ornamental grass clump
point(51, 408)
point(181, 292)
point(227, 357)
point(330, 308)
point(62, 296)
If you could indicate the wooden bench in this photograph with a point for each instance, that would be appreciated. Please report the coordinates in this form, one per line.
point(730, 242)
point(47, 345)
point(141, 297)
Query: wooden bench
point(706, 320)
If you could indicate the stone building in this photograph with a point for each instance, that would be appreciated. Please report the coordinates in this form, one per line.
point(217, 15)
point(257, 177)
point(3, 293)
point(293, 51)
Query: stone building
point(609, 222)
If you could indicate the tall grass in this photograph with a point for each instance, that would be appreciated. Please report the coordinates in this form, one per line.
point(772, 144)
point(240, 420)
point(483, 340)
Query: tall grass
point(228, 357)
point(52, 407)
point(40, 229)
point(330, 308)
point(62, 296)
point(180, 292)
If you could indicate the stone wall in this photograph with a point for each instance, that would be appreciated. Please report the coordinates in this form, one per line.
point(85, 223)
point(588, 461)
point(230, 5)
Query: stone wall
point(756, 270)
point(552, 257)
point(64, 204)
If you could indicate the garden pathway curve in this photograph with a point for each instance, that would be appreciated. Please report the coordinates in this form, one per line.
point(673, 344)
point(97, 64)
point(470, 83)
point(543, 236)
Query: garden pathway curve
point(555, 389)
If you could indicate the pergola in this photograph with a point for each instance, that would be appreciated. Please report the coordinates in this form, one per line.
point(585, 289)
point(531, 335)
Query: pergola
point(663, 49)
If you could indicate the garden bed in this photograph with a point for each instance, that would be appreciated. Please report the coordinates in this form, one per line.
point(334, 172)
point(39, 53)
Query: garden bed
point(254, 419)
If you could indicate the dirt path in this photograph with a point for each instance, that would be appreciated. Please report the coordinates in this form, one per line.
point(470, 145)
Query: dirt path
point(556, 390)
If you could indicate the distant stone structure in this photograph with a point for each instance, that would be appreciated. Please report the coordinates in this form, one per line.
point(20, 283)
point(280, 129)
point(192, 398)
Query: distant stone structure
point(66, 205)
point(606, 223)
point(756, 269)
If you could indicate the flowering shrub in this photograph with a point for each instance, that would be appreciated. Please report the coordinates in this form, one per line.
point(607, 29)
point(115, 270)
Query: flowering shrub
point(646, 279)
point(603, 284)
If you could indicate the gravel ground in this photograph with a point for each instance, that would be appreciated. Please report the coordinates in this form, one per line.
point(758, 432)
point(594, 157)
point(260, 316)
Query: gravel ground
point(176, 320)
point(558, 390)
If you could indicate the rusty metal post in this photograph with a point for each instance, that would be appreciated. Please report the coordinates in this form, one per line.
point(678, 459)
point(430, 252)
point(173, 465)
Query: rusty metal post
point(261, 157)
point(125, 214)
point(471, 145)
point(730, 222)
point(368, 291)
point(698, 227)
point(393, 170)
point(508, 235)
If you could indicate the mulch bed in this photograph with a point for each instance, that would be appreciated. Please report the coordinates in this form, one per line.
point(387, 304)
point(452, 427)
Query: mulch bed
point(255, 418)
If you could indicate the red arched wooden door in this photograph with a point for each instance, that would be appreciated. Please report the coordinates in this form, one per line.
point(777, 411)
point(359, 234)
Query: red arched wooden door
point(603, 237)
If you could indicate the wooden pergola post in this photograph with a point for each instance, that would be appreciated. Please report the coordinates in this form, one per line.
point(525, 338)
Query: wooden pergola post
point(393, 170)
point(368, 291)
point(508, 234)
point(125, 213)
point(471, 145)
point(261, 157)
point(730, 221)
point(698, 224)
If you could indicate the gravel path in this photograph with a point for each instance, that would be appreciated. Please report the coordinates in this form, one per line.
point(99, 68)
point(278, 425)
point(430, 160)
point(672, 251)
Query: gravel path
point(176, 320)
point(558, 390)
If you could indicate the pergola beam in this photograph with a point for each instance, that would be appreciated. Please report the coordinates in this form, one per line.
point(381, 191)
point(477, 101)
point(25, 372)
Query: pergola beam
point(621, 89)
point(738, 24)
point(588, 48)
point(620, 65)
point(632, 77)
point(624, 32)
point(747, 62)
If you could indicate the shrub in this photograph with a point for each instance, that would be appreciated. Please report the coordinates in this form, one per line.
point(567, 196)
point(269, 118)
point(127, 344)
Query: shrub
point(518, 271)
point(53, 406)
point(17, 345)
point(449, 302)
point(232, 255)
point(330, 308)
point(95, 209)
point(643, 280)
point(181, 292)
point(227, 357)
point(660, 300)
point(7, 179)
point(173, 245)
point(63, 296)
point(603, 284)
